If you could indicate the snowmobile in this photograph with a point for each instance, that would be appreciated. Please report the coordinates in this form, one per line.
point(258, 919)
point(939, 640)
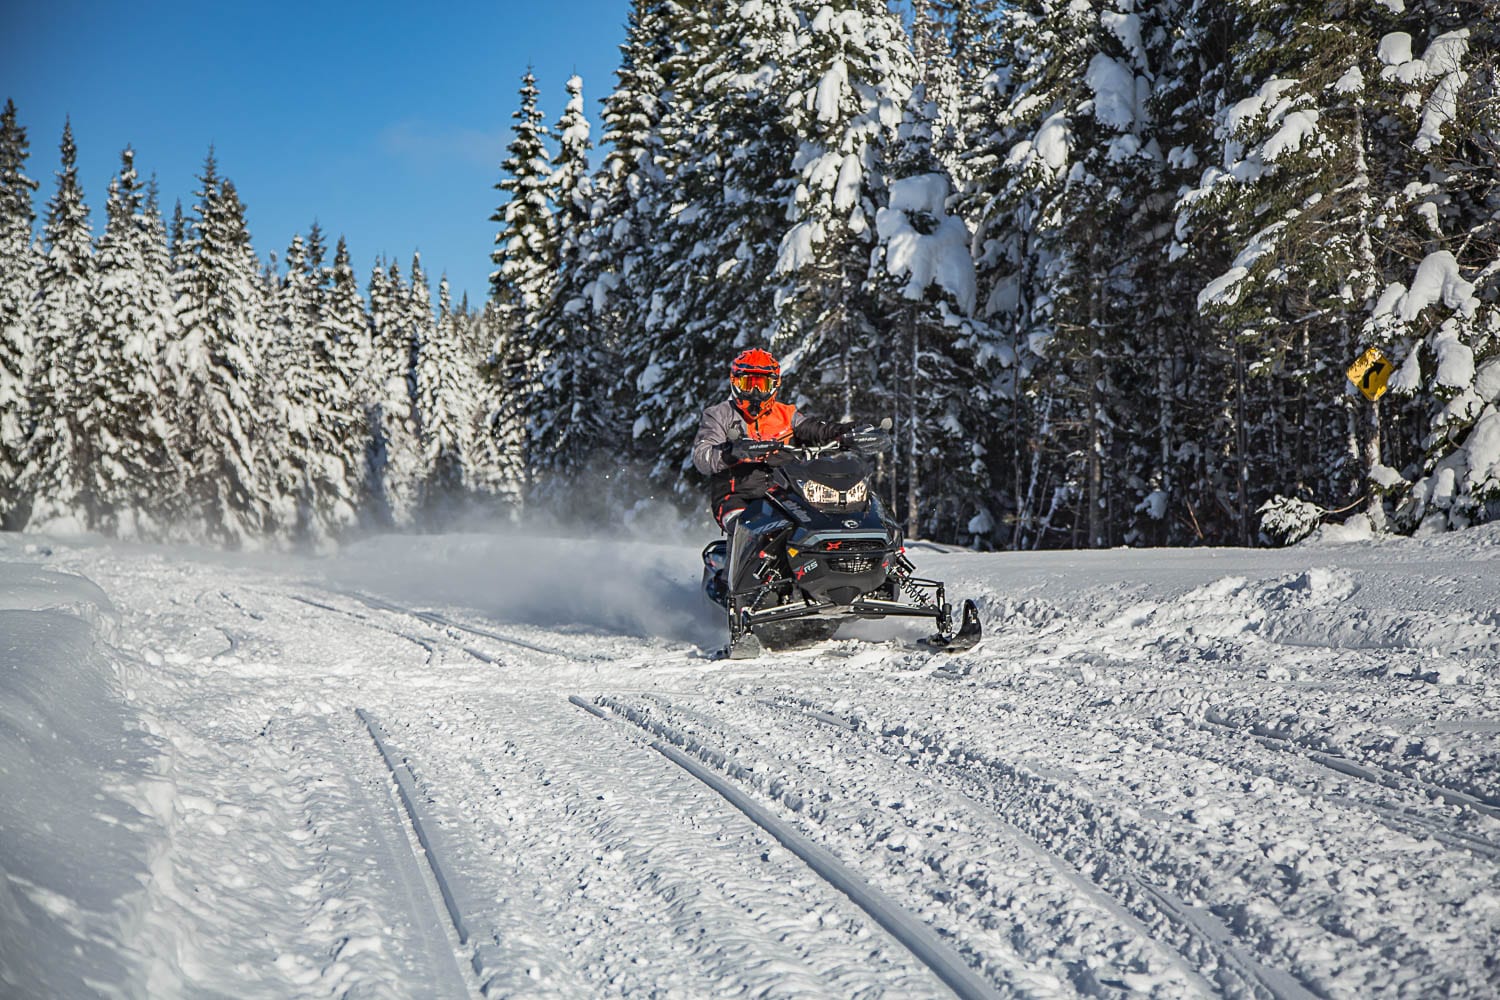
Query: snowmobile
point(819, 548)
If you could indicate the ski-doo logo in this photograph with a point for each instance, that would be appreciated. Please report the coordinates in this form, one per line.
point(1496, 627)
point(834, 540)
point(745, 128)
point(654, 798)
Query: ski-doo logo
point(851, 523)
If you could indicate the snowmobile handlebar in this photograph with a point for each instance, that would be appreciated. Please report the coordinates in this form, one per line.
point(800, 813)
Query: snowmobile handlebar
point(865, 440)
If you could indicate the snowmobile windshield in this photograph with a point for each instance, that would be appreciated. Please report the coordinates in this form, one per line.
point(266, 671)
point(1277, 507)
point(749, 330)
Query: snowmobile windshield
point(833, 481)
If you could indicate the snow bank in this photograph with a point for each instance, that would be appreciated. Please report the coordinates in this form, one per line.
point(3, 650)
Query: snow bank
point(73, 852)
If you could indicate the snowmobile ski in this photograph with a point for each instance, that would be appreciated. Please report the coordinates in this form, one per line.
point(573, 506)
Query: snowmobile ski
point(968, 635)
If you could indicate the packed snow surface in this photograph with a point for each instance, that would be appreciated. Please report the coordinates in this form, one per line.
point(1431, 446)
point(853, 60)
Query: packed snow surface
point(458, 766)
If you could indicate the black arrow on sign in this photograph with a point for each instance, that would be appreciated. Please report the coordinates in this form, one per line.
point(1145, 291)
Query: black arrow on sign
point(1370, 373)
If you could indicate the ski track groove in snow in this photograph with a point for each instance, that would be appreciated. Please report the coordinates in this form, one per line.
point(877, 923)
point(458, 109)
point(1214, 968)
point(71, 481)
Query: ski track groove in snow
point(401, 773)
point(915, 936)
point(1486, 805)
point(1043, 964)
point(433, 618)
point(1197, 920)
point(426, 645)
point(1402, 820)
point(566, 864)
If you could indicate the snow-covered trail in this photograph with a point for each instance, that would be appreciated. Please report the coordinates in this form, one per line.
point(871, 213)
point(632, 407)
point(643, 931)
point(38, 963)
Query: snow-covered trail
point(503, 766)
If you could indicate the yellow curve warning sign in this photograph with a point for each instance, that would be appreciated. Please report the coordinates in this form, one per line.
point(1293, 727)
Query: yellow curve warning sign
point(1370, 373)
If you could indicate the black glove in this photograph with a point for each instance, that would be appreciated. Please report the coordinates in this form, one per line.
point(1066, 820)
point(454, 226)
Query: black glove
point(780, 457)
point(866, 440)
point(742, 450)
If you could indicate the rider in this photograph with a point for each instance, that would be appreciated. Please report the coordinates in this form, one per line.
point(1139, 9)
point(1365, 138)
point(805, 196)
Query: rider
point(738, 439)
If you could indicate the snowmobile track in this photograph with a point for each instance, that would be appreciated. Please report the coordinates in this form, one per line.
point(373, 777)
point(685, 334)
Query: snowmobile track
point(1196, 922)
point(1404, 821)
point(1365, 772)
point(441, 622)
point(424, 828)
point(910, 932)
point(427, 646)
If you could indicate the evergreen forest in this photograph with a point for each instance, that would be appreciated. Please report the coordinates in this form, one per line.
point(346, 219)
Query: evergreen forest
point(1102, 263)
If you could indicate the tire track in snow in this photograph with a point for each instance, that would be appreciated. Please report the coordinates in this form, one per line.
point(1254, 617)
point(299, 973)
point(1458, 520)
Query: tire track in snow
point(915, 936)
point(1197, 922)
point(442, 622)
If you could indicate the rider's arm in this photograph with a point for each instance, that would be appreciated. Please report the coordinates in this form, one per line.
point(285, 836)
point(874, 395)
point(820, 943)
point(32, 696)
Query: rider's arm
point(811, 431)
point(708, 445)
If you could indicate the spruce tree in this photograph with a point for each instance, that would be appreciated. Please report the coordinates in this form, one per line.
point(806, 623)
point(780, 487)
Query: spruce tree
point(525, 259)
point(631, 204)
point(395, 459)
point(215, 360)
point(18, 293)
point(935, 370)
point(125, 442)
point(52, 473)
point(845, 90)
point(445, 400)
point(343, 349)
point(571, 411)
point(495, 471)
point(1440, 77)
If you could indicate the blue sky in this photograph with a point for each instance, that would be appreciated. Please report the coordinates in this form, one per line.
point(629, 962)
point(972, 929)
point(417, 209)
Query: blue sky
point(385, 123)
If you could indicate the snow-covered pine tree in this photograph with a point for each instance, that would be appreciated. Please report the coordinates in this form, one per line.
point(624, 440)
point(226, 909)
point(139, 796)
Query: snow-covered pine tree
point(445, 400)
point(495, 470)
point(1182, 408)
point(214, 358)
point(125, 438)
point(571, 412)
point(1296, 193)
point(936, 364)
point(177, 236)
point(1109, 233)
point(343, 353)
point(525, 259)
point(629, 212)
point(962, 55)
point(728, 177)
point(52, 475)
point(290, 431)
point(1440, 78)
point(394, 469)
point(18, 292)
point(320, 275)
point(847, 85)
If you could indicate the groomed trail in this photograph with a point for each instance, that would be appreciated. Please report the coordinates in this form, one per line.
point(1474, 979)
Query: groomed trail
point(506, 765)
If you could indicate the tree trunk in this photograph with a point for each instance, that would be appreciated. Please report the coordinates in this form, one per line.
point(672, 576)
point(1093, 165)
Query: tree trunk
point(1098, 529)
point(913, 494)
point(1241, 445)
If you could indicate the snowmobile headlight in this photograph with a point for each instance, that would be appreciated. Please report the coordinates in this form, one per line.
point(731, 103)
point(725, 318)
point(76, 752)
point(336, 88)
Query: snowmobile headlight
point(823, 494)
point(816, 492)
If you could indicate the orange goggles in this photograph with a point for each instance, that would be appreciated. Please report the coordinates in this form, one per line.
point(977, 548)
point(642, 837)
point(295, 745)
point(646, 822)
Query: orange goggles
point(754, 383)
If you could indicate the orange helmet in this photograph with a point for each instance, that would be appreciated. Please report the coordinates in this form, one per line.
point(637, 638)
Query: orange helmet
point(754, 377)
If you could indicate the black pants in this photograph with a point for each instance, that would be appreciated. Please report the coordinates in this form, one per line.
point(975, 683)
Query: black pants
point(735, 488)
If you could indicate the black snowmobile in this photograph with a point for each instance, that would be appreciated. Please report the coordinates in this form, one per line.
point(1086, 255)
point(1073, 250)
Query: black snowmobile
point(819, 548)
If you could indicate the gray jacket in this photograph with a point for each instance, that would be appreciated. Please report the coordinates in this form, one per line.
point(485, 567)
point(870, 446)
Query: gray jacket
point(720, 423)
